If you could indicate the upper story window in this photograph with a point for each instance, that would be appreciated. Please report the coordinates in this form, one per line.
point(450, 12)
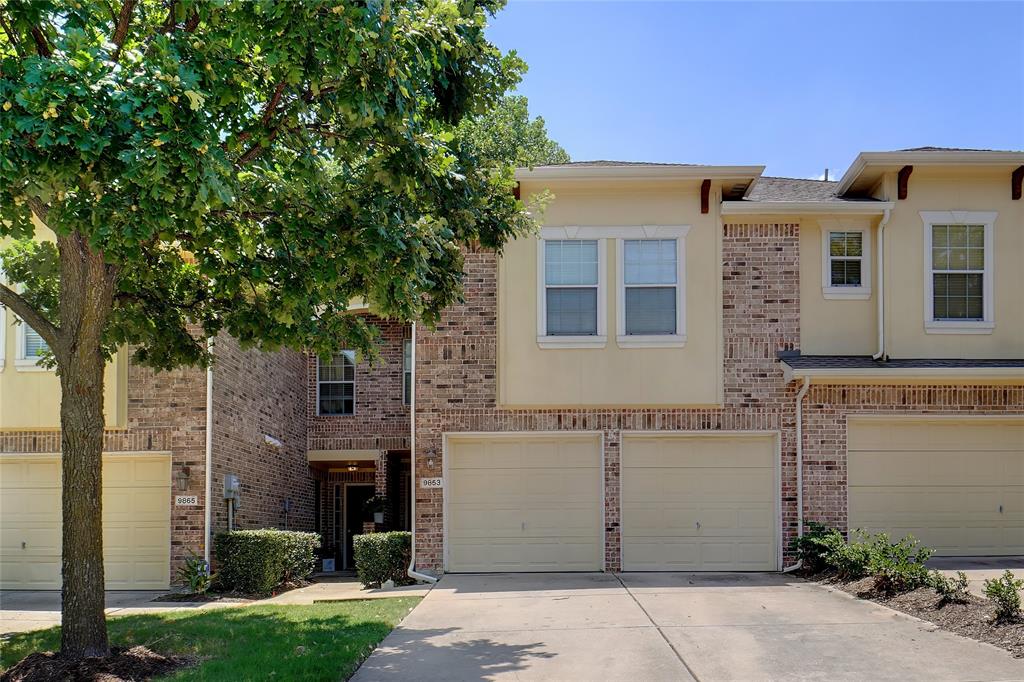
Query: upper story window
point(29, 349)
point(571, 305)
point(407, 371)
point(336, 384)
point(649, 286)
point(651, 301)
point(845, 259)
point(958, 272)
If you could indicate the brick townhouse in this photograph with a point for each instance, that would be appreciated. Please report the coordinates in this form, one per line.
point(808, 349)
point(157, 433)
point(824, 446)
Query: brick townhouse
point(682, 368)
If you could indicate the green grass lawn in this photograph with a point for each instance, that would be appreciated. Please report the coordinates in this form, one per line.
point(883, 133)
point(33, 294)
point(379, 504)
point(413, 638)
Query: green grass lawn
point(249, 643)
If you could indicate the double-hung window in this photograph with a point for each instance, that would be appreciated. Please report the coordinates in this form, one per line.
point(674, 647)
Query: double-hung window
point(958, 272)
point(651, 297)
point(845, 259)
point(336, 384)
point(571, 303)
point(30, 348)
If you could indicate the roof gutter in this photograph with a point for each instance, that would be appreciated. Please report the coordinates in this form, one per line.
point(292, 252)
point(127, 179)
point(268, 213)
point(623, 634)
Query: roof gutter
point(639, 172)
point(806, 207)
point(881, 286)
point(411, 570)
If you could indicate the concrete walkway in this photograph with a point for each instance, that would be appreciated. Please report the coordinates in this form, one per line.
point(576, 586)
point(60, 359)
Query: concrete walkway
point(668, 626)
point(22, 611)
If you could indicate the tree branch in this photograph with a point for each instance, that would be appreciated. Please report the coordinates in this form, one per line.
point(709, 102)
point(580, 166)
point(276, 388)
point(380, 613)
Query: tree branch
point(11, 36)
point(121, 32)
point(42, 44)
point(33, 318)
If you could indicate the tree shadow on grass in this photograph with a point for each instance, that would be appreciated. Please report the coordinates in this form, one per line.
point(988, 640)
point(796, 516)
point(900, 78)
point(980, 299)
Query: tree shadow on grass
point(430, 655)
point(318, 642)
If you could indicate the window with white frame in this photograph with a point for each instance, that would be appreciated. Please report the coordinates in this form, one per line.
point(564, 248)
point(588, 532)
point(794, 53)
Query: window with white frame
point(958, 271)
point(650, 291)
point(571, 272)
point(407, 371)
point(845, 259)
point(958, 278)
point(336, 384)
point(30, 348)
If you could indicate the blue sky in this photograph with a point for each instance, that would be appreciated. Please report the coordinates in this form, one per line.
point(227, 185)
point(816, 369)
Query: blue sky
point(796, 86)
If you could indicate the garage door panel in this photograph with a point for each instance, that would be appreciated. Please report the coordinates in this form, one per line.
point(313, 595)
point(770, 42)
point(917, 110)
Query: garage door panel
point(136, 522)
point(524, 503)
point(935, 435)
point(698, 503)
point(955, 485)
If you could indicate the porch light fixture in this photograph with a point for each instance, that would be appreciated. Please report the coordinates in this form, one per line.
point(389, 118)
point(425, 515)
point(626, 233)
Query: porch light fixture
point(181, 478)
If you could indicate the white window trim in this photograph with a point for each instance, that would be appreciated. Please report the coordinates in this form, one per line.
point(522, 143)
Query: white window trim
point(861, 293)
point(22, 362)
point(988, 323)
point(677, 340)
point(601, 339)
point(318, 382)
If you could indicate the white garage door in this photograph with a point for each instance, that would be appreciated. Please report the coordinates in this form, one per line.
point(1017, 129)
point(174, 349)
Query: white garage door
point(524, 503)
point(136, 522)
point(698, 503)
point(955, 485)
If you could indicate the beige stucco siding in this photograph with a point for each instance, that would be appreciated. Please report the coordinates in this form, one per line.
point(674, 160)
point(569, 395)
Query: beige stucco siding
point(691, 375)
point(949, 190)
point(835, 326)
point(30, 396)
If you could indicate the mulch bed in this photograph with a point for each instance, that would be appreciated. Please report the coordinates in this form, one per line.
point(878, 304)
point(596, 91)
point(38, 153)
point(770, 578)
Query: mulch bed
point(136, 663)
point(974, 618)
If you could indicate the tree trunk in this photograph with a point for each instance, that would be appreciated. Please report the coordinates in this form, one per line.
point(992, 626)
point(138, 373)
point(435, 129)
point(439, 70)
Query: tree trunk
point(86, 300)
point(84, 627)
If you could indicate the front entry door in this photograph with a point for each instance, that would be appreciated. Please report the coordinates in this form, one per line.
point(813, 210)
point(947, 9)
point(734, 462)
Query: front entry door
point(355, 499)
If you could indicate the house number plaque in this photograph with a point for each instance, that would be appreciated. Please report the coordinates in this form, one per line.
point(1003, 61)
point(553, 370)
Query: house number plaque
point(186, 500)
point(432, 482)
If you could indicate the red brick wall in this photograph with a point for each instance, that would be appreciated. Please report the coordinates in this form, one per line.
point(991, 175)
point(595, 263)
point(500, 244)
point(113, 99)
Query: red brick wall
point(381, 419)
point(257, 394)
point(457, 371)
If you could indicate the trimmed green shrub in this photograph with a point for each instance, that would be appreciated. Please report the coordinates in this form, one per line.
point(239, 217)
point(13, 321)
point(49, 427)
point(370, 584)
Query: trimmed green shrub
point(849, 559)
point(951, 590)
point(257, 561)
point(813, 546)
point(382, 556)
point(898, 566)
point(1005, 593)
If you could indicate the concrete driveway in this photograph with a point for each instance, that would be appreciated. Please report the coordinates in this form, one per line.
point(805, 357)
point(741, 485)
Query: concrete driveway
point(978, 569)
point(668, 626)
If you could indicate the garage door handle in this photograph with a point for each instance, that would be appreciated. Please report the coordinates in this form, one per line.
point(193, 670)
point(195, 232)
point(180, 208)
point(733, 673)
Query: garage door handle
point(24, 545)
point(1000, 509)
point(698, 525)
point(524, 525)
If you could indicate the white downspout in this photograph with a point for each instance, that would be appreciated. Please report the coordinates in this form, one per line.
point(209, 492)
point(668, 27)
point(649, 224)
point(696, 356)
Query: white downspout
point(799, 466)
point(411, 571)
point(881, 287)
point(207, 515)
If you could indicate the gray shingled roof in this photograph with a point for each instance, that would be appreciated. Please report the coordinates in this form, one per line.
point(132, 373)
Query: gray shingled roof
point(794, 189)
point(602, 162)
point(865, 362)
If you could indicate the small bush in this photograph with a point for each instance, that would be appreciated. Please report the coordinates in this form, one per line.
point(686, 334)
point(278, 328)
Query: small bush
point(195, 574)
point(382, 556)
point(257, 561)
point(1005, 593)
point(951, 590)
point(851, 560)
point(814, 545)
point(898, 566)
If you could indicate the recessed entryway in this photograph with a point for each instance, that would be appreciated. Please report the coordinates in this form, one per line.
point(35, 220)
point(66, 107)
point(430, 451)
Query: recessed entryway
point(957, 485)
point(699, 502)
point(523, 502)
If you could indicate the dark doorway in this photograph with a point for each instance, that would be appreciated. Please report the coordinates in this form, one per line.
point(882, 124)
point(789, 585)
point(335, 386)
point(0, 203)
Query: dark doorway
point(356, 496)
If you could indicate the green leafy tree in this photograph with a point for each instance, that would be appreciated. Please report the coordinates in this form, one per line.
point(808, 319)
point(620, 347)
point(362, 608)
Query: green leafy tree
point(507, 135)
point(238, 166)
